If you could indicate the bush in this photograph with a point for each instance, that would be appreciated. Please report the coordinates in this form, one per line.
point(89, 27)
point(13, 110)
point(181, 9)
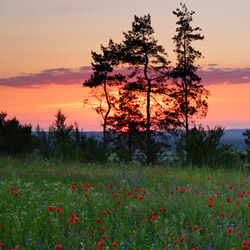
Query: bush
point(68, 143)
point(246, 156)
point(200, 147)
point(15, 138)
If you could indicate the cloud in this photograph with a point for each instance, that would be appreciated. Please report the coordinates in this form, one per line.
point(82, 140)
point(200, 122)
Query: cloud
point(224, 75)
point(212, 64)
point(69, 76)
point(62, 76)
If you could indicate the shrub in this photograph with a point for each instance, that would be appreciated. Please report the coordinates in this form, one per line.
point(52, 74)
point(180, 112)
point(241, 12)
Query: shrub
point(200, 147)
point(15, 138)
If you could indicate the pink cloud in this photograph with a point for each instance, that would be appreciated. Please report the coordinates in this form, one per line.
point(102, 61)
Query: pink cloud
point(68, 76)
point(224, 75)
point(62, 76)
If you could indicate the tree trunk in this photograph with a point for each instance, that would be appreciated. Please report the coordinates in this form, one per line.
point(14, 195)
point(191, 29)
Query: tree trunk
point(148, 134)
point(107, 113)
point(185, 85)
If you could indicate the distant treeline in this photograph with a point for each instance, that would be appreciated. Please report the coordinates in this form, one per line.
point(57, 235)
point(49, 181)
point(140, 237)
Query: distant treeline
point(67, 142)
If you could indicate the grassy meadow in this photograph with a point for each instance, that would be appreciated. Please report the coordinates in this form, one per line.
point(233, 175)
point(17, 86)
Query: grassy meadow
point(56, 205)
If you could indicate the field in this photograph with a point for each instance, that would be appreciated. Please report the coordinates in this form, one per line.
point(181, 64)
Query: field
point(56, 205)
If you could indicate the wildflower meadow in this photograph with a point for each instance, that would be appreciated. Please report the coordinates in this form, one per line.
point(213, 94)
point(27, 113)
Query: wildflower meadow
point(56, 205)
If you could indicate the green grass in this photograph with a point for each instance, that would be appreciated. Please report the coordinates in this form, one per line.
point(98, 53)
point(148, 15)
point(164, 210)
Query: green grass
point(175, 201)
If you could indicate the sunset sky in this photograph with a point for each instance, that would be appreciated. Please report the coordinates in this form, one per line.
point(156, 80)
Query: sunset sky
point(45, 49)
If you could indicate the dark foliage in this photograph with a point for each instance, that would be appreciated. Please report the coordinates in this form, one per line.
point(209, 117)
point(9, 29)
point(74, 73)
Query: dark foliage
point(188, 98)
point(15, 138)
point(126, 123)
point(68, 143)
point(149, 64)
point(246, 157)
point(247, 140)
point(203, 148)
point(103, 77)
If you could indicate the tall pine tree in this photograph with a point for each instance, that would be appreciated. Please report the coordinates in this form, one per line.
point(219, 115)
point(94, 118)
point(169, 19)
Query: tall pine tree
point(149, 62)
point(103, 76)
point(189, 96)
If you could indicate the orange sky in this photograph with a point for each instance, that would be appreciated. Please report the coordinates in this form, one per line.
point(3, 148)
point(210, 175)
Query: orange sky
point(228, 105)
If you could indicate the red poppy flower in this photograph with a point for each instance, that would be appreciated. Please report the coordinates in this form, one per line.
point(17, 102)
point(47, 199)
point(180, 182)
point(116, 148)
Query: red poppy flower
point(76, 220)
point(99, 244)
point(175, 243)
point(104, 237)
point(211, 199)
point(228, 200)
point(222, 213)
point(230, 230)
point(98, 220)
point(50, 208)
point(115, 245)
point(101, 228)
point(172, 234)
point(71, 220)
point(59, 210)
point(73, 215)
point(140, 197)
point(181, 239)
point(58, 246)
point(210, 205)
point(1, 244)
